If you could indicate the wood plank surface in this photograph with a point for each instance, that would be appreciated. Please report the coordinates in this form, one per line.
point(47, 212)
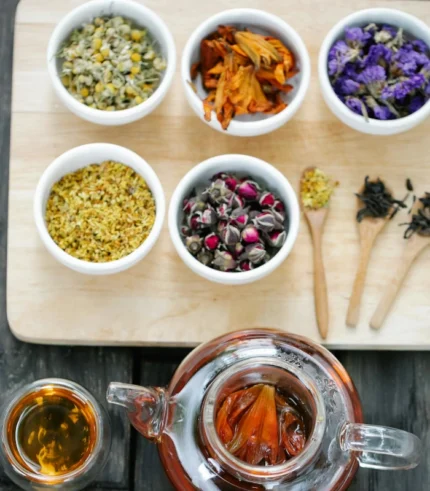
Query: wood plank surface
point(161, 302)
point(394, 387)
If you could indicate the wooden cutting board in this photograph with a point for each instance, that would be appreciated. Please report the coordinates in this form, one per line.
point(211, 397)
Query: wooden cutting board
point(159, 301)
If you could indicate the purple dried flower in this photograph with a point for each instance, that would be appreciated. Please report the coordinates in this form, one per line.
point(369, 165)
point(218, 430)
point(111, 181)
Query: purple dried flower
point(355, 104)
point(406, 87)
point(266, 199)
point(231, 183)
point(248, 190)
point(194, 244)
point(236, 201)
point(409, 61)
point(192, 205)
point(211, 241)
point(339, 55)
point(277, 239)
point(372, 75)
point(265, 222)
point(224, 261)
point(356, 36)
point(230, 235)
point(420, 46)
point(378, 53)
point(218, 192)
point(250, 234)
point(416, 103)
point(346, 86)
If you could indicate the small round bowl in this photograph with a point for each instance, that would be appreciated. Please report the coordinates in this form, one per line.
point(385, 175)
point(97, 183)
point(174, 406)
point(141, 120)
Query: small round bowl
point(264, 23)
point(413, 26)
point(75, 159)
point(245, 165)
point(143, 17)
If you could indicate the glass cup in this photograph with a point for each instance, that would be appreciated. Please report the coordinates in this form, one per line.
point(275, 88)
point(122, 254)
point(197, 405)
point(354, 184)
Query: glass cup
point(33, 408)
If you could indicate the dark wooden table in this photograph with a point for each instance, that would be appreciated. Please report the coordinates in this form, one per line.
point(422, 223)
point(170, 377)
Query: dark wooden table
point(394, 386)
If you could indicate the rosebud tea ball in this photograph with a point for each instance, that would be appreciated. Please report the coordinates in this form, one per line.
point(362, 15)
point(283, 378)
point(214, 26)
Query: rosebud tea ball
point(234, 224)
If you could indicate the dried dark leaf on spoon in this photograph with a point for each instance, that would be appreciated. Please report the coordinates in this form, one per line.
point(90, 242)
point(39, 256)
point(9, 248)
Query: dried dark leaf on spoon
point(377, 201)
point(420, 221)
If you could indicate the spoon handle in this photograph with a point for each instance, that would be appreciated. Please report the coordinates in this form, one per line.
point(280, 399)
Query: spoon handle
point(358, 288)
point(413, 248)
point(320, 285)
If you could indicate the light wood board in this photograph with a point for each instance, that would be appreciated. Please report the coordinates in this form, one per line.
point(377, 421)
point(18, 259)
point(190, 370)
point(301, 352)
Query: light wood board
point(159, 301)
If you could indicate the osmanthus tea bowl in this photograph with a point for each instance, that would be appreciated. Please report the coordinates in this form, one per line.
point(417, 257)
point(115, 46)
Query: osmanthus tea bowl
point(242, 166)
point(78, 158)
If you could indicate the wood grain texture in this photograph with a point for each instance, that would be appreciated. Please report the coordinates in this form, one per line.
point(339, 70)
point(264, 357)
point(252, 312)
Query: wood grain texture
point(160, 302)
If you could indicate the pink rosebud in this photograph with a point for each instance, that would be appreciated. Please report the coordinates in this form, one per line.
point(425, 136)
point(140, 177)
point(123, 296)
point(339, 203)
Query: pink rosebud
point(277, 238)
point(194, 222)
point(193, 244)
point(230, 235)
point(237, 249)
point(245, 266)
point(248, 190)
point(255, 253)
point(191, 205)
point(267, 199)
point(236, 201)
point(250, 234)
point(211, 242)
point(231, 183)
point(223, 211)
point(224, 261)
point(221, 226)
point(185, 231)
point(209, 217)
point(265, 221)
point(279, 206)
point(240, 217)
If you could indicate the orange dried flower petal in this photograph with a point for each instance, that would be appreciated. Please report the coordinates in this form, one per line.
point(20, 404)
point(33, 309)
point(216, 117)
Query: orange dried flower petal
point(257, 48)
point(293, 435)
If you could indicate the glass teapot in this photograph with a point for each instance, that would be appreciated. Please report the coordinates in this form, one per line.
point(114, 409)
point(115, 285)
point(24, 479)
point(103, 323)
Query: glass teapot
point(181, 419)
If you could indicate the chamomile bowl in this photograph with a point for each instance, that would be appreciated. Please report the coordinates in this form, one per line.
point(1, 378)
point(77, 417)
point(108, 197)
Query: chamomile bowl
point(414, 27)
point(242, 165)
point(78, 158)
point(263, 23)
point(144, 18)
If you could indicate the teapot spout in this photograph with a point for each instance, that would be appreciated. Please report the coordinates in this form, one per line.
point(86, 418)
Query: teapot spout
point(145, 406)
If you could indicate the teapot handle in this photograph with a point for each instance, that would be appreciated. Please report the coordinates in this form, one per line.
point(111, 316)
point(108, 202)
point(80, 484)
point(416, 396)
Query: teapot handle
point(380, 447)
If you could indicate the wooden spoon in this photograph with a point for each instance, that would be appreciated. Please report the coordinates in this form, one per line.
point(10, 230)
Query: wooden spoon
point(316, 219)
point(368, 230)
point(414, 246)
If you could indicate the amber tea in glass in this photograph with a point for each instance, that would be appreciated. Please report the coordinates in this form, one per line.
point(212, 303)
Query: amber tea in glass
point(53, 434)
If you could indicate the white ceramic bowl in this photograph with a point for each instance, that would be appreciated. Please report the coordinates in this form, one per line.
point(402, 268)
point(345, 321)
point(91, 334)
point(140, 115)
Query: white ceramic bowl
point(264, 23)
point(143, 17)
point(81, 157)
point(412, 25)
point(243, 165)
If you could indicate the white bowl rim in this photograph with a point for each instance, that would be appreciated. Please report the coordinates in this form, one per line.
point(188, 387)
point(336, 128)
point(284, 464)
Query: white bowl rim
point(298, 43)
point(112, 116)
point(226, 277)
point(86, 266)
point(358, 16)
